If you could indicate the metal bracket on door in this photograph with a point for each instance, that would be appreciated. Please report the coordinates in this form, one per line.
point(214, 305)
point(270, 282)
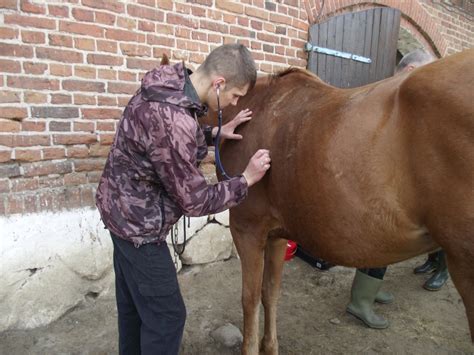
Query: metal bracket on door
point(312, 48)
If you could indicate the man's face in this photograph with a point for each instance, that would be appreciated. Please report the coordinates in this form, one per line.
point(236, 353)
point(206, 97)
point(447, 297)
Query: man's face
point(227, 96)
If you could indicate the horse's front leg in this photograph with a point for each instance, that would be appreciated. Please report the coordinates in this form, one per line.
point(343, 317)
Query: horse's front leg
point(250, 247)
point(274, 260)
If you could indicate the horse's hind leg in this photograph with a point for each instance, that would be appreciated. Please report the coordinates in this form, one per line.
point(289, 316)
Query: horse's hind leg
point(461, 271)
point(274, 260)
point(250, 245)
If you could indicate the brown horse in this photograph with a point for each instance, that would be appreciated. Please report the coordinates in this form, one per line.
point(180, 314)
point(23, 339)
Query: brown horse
point(361, 177)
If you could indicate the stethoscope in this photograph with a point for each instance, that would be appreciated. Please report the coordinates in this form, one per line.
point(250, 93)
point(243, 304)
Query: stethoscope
point(218, 138)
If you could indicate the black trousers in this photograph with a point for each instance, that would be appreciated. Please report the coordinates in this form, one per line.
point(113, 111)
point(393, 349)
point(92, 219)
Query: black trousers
point(151, 311)
point(378, 273)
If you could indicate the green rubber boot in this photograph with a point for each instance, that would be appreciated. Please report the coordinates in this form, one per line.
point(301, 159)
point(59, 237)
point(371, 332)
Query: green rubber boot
point(384, 297)
point(363, 292)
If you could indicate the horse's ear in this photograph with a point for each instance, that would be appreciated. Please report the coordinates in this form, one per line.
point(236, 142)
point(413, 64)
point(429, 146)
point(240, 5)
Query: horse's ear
point(164, 60)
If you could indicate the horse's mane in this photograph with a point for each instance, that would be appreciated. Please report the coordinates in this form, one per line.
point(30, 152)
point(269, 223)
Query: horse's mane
point(292, 70)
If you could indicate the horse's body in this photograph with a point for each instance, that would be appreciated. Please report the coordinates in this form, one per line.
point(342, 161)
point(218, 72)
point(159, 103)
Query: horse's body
point(361, 177)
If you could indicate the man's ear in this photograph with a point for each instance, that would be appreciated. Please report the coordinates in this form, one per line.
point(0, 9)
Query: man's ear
point(410, 67)
point(218, 83)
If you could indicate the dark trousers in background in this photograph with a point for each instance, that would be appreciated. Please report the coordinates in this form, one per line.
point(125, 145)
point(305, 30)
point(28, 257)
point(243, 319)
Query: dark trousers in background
point(151, 311)
point(378, 273)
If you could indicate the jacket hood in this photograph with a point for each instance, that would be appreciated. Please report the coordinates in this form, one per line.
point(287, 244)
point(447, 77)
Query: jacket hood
point(167, 84)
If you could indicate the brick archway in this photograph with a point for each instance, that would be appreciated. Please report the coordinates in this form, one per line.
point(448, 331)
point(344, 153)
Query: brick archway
point(415, 18)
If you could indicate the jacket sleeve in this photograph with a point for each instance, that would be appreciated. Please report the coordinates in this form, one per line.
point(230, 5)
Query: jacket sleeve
point(172, 150)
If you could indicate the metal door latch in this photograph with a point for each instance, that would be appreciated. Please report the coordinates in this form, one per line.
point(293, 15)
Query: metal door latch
point(312, 48)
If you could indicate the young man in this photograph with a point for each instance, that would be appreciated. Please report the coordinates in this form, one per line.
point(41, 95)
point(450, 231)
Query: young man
point(151, 179)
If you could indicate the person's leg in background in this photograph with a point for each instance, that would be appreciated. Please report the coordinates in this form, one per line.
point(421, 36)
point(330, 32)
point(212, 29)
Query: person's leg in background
point(364, 292)
point(441, 275)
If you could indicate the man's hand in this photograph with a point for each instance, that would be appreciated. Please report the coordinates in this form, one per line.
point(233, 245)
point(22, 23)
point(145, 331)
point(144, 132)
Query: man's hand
point(227, 130)
point(257, 166)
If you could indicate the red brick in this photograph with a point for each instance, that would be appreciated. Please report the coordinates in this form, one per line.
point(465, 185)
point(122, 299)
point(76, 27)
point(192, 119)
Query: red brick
point(53, 153)
point(72, 197)
point(47, 168)
point(93, 177)
point(34, 68)
point(128, 23)
point(10, 170)
point(88, 196)
point(50, 182)
point(76, 85)
point(83, 15)
point(106, 5)
point(127, 76)
point(142, 12)
point(54, 112)
point(27, 6)
point(59, 126)
point(99, 150)
point(214, 26)
point(89, 164)
point(8, 33)
point(165, 4)
point(107, 46)
point(84, 100)
point(24, 140)
point(75, 179)
point(33, 37)
point(9, 125)
point(102, 59)
point(122, 88)
point(106, 139)
point(4, 183)
point(9, 4)
point(30, 21)
point(124, 35)
point(10, 66)
point(160, 40)
point(254, 12)
point(14, 204)
point(27, 154)
point(83, 126)
point(138, 63)
point(81, 28)
point(33, 126)
point(33, 97)
point(58, 11)
point(135, 50)
point(60, 40)
point(229, 6)
point(105, 18)
point(106, 101)
point(77, 152)
point(64, 56)
point(165, 29)
point(105, 126)
point(85, 72)
point(31, 204)
point(146, 26)
point(9, 97)
point(175, 19)
point(69, 139)
point(14, 113)
point(86, 44)
point(45, 201)
point(60, 69)
point(123, 100)
point(101, 113)
point(61, 99)
point(15, 50)
point(5, 155)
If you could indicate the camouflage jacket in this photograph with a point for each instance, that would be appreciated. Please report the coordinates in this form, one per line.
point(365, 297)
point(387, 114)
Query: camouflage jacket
point(151, 177)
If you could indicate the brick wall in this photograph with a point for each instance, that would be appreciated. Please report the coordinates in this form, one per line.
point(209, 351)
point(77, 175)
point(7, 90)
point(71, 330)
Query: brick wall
point(454, 24)
point(67, 69)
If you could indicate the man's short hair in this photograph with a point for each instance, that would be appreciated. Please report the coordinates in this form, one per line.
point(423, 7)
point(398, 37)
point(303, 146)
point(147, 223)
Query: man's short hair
point(234, 62)
point(417, 58)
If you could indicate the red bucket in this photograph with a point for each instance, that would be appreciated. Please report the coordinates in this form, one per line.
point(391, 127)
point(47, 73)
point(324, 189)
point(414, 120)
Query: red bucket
point(290, 250)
